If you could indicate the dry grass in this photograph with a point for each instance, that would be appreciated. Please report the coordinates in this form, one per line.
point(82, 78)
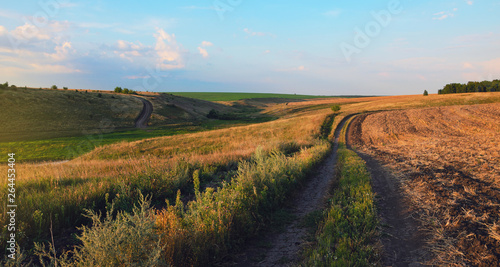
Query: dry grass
point(449, 161)
point(157, 166)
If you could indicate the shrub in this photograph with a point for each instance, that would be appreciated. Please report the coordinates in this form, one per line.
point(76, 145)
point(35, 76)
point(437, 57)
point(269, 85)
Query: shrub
point(65, 88)
point(99, 95)
point(126, 91)
point(122, 240)
point(54, 87)
point(335, 108)
point(213, 114)
point(118, 89)
point(426, 93)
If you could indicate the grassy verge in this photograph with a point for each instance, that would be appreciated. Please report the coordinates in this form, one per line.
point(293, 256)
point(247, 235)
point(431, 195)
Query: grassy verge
point(346, 234)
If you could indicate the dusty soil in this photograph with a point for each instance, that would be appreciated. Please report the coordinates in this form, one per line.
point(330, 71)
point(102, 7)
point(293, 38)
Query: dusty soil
point(446, 160)
point(283, 248)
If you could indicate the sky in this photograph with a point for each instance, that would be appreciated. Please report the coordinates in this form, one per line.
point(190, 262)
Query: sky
point(388, 47)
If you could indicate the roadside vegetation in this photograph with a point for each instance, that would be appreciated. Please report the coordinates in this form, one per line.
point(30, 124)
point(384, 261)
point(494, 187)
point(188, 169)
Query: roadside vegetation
point(159, 167)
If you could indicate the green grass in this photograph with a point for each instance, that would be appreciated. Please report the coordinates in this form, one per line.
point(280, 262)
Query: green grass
point(347, 234)
point(34, 114)
point(214, 96)
point(66, 148)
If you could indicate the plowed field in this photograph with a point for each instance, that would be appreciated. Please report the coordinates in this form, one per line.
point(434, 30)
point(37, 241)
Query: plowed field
point(448, 162)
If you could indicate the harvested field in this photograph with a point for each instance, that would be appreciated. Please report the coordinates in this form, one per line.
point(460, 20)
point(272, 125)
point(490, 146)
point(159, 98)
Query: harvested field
point(448, 162)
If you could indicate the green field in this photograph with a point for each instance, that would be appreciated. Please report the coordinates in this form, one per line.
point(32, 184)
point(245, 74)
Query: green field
point(36, 114)
point(214, 96)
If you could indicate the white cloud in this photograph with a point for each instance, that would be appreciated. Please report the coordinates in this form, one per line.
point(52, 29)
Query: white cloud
point(444, 14)
point(3, 30)
point(206, 43)
point(62, 51)
point(469, 2)
point(168, 51)
point(52, 68)
point(203, 52)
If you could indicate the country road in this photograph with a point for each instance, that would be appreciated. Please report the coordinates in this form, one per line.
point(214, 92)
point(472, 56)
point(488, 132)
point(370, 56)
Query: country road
point(142, 120)
point(284, 248)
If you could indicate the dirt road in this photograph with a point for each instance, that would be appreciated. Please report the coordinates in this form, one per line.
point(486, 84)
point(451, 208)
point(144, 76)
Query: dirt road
point(282, 249)
point(403, 243)
point(142, 120)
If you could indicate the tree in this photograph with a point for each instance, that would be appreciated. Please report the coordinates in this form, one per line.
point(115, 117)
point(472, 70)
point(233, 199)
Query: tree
point(118, 89)
point(54, 87)
point(126, 91)
point(426, 93)
point(336, 108)
point(65, 88)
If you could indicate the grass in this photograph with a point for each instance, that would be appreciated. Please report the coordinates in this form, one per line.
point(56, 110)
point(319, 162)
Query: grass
point(160, 166)
point(213, 96)
point(66, 148)
point(346, 236)
point(34, 114)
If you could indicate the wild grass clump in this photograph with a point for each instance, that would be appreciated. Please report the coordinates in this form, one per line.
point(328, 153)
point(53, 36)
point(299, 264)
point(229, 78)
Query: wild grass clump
point(346, 235)
point(118, 239)
point(207, 228)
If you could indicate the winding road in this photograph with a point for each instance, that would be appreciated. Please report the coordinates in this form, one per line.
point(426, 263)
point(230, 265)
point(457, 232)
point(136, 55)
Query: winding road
point(142, 120)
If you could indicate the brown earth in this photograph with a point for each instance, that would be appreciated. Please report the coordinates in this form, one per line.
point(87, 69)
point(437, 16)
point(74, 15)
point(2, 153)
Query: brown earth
point(447, 163)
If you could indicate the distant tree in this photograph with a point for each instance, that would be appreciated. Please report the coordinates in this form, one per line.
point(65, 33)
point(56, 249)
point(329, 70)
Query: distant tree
point(65, 88)
point(118, 89)
point(336, 108)
point(126, 91)
point(426, 93)
point(6, 84)
point(54, 87)
point(13, 86)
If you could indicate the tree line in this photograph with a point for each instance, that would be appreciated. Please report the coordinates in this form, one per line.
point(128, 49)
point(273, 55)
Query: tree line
point(471, 87)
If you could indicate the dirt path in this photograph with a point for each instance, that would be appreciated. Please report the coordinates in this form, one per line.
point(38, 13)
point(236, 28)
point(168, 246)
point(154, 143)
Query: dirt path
point(143, 118)
point(403, 244)
point(283, 248)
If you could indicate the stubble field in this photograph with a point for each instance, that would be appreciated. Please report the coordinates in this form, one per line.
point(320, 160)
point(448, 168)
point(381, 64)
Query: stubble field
point(448, 160)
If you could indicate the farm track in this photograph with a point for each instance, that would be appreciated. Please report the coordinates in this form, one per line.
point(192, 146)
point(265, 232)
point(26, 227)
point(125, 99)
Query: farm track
point(283, 249)
point(143, 118)
point(403, 243)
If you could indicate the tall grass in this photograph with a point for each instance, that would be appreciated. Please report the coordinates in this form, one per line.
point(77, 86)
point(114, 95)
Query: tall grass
point(157, 166)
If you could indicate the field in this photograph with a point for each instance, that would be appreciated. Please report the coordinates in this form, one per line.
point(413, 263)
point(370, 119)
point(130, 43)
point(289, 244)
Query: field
point(209, 96)
point(448, 161)
point(192, 190)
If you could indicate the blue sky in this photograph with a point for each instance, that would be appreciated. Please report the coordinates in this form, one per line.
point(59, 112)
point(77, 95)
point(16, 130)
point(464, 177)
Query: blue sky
point(314, 47)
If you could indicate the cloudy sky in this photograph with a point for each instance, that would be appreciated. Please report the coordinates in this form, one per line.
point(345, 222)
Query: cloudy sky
point(304, 47)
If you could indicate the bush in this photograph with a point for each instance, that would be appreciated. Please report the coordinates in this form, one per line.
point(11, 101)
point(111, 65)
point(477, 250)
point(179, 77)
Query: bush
point(118, 89)
point(99, 95)
point(426, 93)
point(336, 108)
point(65, 88)
point(126, 91)
point(213, 114)
point(126, 240)
point(54, 87)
